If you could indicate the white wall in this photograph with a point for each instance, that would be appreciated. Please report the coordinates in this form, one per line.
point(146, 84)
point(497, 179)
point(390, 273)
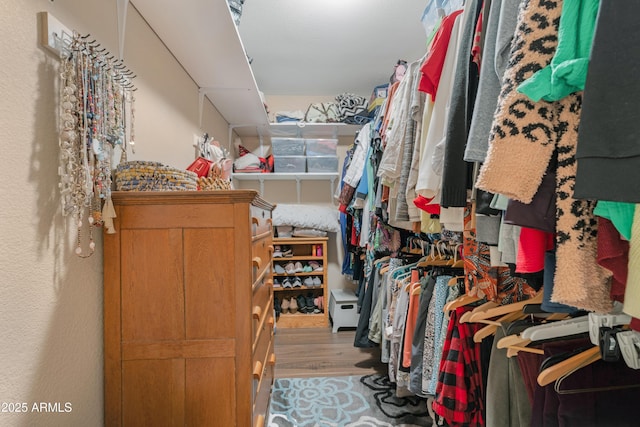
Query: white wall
point(51, 300)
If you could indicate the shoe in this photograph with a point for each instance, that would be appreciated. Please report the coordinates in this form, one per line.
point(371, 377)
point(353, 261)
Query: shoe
point(286, 251)
point(286, 283)
point(321, 303)
point(297, 283)
point(298, 267)
point(285, 306)
point(293, 305)
point(308, 281)
point(307, 269)
point(315, 266)
point(317, 281)
point(311, 307)
point(302, 304)
point(290, 268)
point(276, 283)
point(278, 269)
point(277, 252)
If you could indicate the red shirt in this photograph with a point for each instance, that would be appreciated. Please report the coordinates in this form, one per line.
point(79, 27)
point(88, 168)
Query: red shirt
point(432, 66)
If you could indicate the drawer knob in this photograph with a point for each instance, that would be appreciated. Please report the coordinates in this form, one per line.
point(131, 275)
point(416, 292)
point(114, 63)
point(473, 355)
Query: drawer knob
point(270, 321)
point(272, 359)
point(257, 262)
point(257, 312)
point(255, 220)
point(270, 222)
point(260, 421)
point(257, 371)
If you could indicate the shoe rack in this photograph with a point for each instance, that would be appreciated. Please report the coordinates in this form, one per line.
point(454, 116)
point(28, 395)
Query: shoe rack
point(305, 252)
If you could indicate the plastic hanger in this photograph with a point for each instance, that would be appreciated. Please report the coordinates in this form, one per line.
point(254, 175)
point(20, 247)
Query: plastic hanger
point(629, 342)
point(505, 309)
point(597, 321)
point(561, 328)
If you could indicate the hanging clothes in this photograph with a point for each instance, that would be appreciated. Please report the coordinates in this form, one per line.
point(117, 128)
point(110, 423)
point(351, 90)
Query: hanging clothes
point(605, 170)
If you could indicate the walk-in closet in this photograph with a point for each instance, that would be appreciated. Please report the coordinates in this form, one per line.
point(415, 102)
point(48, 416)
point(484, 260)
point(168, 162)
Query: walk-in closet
point(286, 213)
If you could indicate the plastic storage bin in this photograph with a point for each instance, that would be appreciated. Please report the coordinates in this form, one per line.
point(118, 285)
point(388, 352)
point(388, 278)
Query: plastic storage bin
point(343, 309)
point(289, 164)
point(322, 164)
point(287, 146)
point(321, 147)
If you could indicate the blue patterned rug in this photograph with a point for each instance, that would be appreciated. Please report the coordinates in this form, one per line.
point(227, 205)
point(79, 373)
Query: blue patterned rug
point(368, 401)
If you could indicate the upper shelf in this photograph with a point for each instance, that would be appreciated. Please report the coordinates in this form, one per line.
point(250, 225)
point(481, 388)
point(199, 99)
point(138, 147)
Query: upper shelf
point(313, 130)
point(202, 36)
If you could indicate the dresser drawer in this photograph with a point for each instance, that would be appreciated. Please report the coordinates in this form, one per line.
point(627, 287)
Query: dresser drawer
point(262, 306)
point(262, 330)
point(261, 253)
point(262, 390)
point(260, 220)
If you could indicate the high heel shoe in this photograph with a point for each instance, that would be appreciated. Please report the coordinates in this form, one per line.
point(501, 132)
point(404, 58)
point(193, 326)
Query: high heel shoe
point(293, 305)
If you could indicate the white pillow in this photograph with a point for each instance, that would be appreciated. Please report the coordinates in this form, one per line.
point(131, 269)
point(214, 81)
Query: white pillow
point(307, 216)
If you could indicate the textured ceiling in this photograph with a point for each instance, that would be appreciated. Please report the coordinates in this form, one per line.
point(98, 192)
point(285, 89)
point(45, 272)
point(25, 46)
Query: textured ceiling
point(327, 47)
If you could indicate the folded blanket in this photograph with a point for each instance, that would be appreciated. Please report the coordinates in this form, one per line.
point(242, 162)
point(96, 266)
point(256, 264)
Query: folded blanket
point(307, 216)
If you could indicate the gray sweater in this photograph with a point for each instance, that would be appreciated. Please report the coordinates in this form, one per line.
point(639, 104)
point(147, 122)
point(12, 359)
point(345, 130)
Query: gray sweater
point(500, 28)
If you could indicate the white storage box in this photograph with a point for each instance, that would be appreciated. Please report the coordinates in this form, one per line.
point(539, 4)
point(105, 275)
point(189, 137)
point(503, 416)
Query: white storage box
point(321, 147)
point(287, 146)
point(343, 309)
point(289, 164)
point(322, 164)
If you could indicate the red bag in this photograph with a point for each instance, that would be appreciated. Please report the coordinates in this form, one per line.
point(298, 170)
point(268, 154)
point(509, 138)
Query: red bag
point(200, 166)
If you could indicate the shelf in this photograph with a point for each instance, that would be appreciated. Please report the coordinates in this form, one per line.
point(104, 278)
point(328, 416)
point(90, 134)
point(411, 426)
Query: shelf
point(301, 246)
point(204, 39)
point(299, 288)
point(297, 177)
point(314, 273)
point(297, 258)
point(302, 320)
point(326, 176)
point(315, 130)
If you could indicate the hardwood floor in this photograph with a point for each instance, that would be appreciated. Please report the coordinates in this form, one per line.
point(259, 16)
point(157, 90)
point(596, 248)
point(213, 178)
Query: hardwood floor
point(317, 352)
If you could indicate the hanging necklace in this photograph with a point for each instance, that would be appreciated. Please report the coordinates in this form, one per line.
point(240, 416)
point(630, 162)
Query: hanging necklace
point(95, 93)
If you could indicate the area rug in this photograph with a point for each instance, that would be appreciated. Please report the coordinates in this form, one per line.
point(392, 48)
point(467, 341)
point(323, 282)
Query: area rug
point(368, 401)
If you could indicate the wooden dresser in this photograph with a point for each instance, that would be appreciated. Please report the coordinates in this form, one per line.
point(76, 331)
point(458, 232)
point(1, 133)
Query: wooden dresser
point(188, 310)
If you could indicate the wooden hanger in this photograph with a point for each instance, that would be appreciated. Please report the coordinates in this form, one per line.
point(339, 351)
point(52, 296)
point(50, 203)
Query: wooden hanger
point(572, 364)
point(505, 309)
point(513, 350)
point(416, 289)
point(513, 340)
point(461, 301)
point(493, 325)
point(487, 305)
point(457, 263)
